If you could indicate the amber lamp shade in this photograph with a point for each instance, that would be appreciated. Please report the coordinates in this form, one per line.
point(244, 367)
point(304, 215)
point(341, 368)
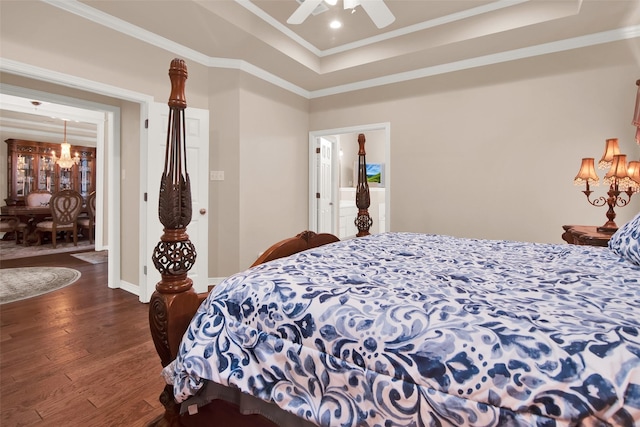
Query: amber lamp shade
point(618, 173)
point(633, 170)
point(587, 173)
point(611, 149)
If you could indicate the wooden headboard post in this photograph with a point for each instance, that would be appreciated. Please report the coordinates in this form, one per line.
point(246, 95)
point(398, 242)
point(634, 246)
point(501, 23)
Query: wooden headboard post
point(363, 221)
point(174, 301)
point(636, 113)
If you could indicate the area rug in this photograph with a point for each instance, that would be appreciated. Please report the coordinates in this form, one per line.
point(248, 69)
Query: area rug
point(9, 249)
point(26, 282)
point(93, 257)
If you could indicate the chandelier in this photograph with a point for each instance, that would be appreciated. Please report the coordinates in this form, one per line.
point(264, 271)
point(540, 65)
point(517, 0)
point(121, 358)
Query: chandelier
point(623, 180)
point(65, 161)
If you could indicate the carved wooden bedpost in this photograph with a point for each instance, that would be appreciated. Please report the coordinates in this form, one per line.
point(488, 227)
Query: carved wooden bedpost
point(363, 221)
point(172, 303)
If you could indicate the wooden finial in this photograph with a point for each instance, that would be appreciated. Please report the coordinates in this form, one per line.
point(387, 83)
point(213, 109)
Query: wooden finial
point(178, 76)
point(361, 141)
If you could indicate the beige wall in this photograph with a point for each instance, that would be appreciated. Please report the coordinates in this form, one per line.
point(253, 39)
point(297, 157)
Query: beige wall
point(130, 191)
point(274, 184)
point(259, 138)
point(492, 152)
point(224, 196)
point(45, 36)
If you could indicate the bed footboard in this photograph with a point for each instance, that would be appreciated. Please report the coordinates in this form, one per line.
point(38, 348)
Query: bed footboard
point(302, 241)
point(173, 305)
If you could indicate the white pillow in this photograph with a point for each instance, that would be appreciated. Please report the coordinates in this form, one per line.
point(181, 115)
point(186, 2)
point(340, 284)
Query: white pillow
point(626, 241)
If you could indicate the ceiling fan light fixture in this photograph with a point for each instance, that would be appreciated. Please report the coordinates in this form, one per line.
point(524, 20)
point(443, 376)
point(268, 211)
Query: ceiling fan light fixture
point(335, 24)
point(351, 4)
point(377, 10)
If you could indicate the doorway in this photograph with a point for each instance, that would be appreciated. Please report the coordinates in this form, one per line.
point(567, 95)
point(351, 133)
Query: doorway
point(333, 155)
point(111, 152)
point(112, 155)
point(105, 121)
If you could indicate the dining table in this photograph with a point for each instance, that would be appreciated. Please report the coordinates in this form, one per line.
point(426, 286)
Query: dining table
point(30, 215)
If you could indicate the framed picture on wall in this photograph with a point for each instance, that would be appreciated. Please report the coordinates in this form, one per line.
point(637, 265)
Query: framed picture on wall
point(375, 174)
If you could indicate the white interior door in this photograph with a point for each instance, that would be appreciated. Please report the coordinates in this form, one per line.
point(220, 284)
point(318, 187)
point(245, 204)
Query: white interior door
point(325, 188)
point(197, 139)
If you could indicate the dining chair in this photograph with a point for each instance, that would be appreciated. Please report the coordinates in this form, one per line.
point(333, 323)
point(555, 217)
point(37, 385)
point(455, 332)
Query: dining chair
point(12, 224)
point(88, 223)
point(38, 198)
point(65, 208)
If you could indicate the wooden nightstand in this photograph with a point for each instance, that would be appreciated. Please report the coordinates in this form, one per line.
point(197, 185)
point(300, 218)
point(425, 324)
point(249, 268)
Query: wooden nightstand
point(585, 235)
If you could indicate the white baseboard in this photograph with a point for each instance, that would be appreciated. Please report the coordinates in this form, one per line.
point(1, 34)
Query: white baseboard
point(129, 287)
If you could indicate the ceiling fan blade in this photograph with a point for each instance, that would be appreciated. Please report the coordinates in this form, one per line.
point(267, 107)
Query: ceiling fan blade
point(378, 12)
point(303, 11)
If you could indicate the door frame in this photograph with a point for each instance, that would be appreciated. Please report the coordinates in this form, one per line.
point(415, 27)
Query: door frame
point(333, 182)
point(313, 176)
point(112, 172)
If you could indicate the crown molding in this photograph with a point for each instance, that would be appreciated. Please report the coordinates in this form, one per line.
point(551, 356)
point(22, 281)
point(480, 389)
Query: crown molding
point(480, 61)
point(116, 24)
point(31, 71)
point(87, 12)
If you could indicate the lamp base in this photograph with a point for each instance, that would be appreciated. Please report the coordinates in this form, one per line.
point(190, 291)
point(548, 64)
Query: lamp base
point(608, 227)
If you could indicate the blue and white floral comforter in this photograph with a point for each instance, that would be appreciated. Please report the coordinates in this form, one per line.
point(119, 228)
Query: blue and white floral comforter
point(403, 329)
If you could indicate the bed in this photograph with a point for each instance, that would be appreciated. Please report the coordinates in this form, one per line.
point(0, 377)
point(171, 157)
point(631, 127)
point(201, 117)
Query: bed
point(407, 329)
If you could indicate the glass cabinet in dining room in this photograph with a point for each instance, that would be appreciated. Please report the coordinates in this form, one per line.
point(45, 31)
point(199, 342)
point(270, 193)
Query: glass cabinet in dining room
point(31, 167)
point(86, 172)
point(46, 174)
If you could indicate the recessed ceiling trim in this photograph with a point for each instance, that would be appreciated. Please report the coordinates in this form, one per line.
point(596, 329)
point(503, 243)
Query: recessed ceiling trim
point(496, 58)
point(247, 4)
point(249, 68)
point(491, 7)
point(241, 65)
point(116, 24)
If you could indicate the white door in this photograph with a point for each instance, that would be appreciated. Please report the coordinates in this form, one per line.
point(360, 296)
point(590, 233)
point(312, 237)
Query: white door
point(197, 139)
point(325, 189)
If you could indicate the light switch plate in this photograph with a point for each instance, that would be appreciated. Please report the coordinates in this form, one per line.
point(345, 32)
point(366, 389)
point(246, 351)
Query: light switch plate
point(216, 175)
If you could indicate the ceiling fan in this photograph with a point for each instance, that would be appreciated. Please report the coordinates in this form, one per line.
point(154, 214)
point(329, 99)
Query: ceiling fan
point(376, 9)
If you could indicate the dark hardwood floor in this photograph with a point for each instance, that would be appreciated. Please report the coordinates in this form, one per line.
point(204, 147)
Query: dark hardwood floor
point(78, 356)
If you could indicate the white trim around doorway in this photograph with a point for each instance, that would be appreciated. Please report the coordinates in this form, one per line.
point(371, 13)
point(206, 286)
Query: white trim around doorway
point(112, 151)
point(313, 178)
